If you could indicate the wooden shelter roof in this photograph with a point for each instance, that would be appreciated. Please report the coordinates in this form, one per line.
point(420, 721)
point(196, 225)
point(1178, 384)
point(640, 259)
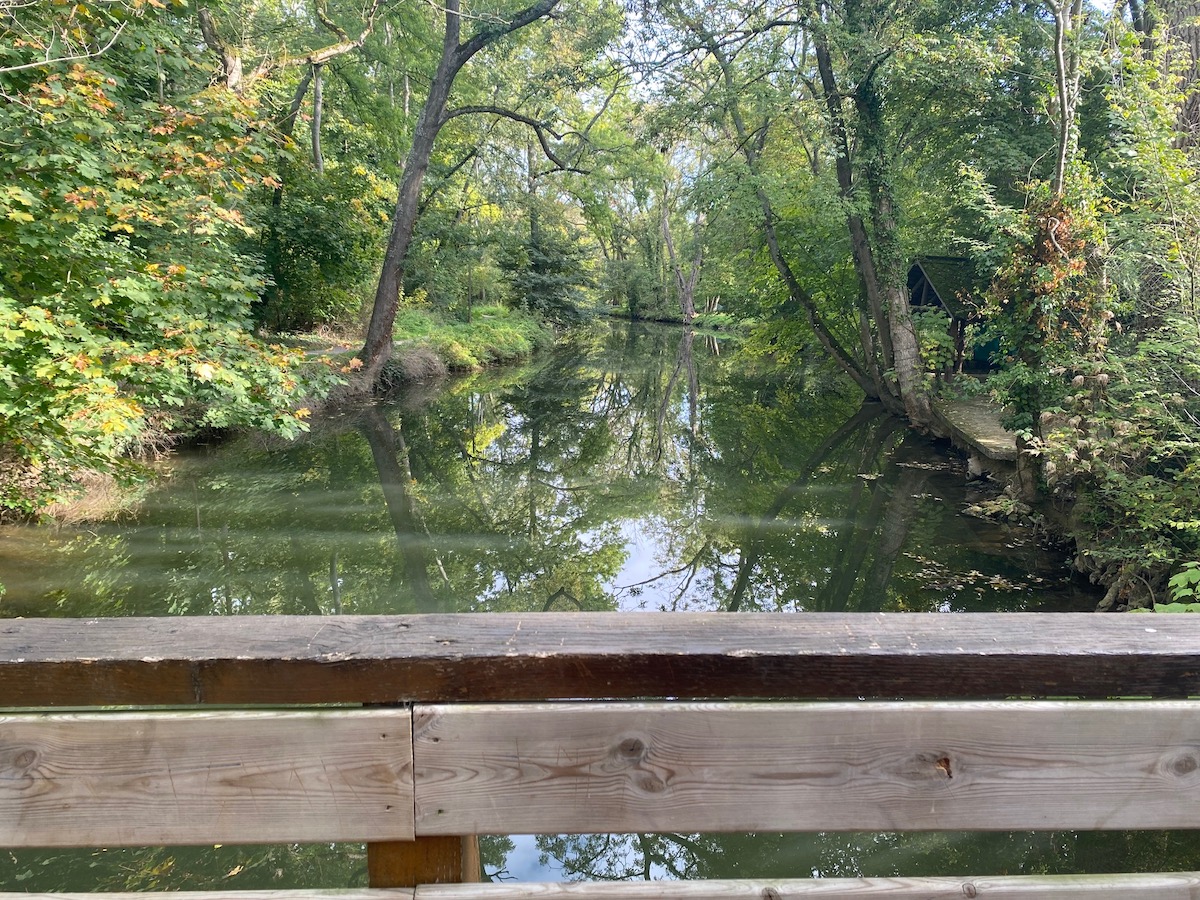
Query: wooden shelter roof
point(955, 281)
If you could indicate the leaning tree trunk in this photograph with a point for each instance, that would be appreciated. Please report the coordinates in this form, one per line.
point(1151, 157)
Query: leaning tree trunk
point(877, 254)
point(892, 283)
point(377, 348)
point(750, 146)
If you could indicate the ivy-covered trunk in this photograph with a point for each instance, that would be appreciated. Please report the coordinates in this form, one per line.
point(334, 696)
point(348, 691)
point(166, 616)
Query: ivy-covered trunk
point(889, 338)
point(890, 270)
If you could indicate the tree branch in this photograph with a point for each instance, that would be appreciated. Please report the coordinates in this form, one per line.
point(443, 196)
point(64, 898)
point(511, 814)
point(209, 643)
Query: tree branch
point(541, 129)
point(231, 62)
point(330, 25)
point(49, 61)
point(485, 36)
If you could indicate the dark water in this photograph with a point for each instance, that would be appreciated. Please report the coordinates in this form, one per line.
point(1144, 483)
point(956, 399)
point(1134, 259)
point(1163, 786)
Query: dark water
point(636, 469)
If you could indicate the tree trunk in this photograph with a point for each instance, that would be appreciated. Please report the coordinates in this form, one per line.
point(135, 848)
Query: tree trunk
point(1067, 21)
point(877, 344)
point(685, 285)
point(1185, 29)
point(377, 348)
point(891, 269)
point(231, 60)
point(318, 102)
point(879, 262)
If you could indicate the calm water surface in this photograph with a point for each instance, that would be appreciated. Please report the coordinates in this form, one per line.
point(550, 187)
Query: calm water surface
point(640, 468)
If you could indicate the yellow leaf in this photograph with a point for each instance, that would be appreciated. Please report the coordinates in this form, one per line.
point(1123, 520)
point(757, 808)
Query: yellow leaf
point(18, 216)
point(122, 226)
point(204, 371)
point(235, 870)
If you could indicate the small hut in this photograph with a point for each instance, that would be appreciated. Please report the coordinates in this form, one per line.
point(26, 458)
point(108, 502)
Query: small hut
point(950, 283)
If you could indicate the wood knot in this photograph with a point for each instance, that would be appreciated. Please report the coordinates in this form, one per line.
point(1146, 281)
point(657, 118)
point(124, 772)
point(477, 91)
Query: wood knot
point(769, 893)
point(25, 759)
point(632, 748)
point(1183, 765)
point(652, 784)
point(928, 768)
point(969, 890)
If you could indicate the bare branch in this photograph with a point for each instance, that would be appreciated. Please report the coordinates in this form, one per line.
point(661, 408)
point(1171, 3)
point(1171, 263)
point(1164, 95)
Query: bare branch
point(543, 131)
point(49, 61)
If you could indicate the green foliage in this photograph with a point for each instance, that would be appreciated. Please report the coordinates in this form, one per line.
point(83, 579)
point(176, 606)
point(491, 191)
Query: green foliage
point(495, 334)
point(716, 321)
point(322, 246)
point(1050, 304)
point(1185, 585)
point(1172, 608)
point(934, 339)
point(124, 301)
point(1101, 337)
point(549, 273)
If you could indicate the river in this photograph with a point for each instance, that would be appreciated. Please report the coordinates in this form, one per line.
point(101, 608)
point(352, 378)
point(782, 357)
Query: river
point(633, 468)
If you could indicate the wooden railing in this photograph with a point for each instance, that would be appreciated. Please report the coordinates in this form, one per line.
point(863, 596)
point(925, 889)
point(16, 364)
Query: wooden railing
point(414, 733)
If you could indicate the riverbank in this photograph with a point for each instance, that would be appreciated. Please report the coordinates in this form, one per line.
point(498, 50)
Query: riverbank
point(974, 427)
point(427, 347)
point(632, 468)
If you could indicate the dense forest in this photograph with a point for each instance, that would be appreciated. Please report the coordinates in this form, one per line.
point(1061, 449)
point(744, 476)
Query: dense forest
point(189, 192)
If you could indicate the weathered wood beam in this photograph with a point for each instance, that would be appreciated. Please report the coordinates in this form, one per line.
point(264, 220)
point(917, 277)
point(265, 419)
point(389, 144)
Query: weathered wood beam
point(325, 894)
point(427, 860)
point(1174, 886)
point(387, 659)
point(719, 767)
point(129, 779)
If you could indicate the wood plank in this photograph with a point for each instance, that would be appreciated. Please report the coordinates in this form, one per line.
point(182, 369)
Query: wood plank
point(331, 894)
point(112, 779)
point(427, 860)
point(386, 659)
point(806, 767)
point(1172, 886)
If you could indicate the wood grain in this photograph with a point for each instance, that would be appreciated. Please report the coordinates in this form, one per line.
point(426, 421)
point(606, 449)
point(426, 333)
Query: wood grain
point(427, 860)
point(205, 777)
point(384, 659)
point(1174, 886)
point(806, 767)
point(331, 894)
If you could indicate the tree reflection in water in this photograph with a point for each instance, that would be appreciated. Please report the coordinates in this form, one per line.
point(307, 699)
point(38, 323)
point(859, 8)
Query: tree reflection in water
point(636, 468)
point(629, 857)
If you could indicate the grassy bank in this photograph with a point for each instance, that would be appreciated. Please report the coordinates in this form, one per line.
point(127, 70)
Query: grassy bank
point(428, 345)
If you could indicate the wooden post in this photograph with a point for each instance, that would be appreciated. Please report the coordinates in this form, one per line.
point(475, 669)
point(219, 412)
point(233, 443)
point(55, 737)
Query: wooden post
point(427, 860)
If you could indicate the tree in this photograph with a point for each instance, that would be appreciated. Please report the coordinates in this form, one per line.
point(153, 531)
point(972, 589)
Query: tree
point(232, 69)
point(125, 292)
point(745, 66)
point(455, 54)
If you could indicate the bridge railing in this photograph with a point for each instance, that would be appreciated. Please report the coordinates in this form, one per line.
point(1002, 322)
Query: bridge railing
point(415, 733)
